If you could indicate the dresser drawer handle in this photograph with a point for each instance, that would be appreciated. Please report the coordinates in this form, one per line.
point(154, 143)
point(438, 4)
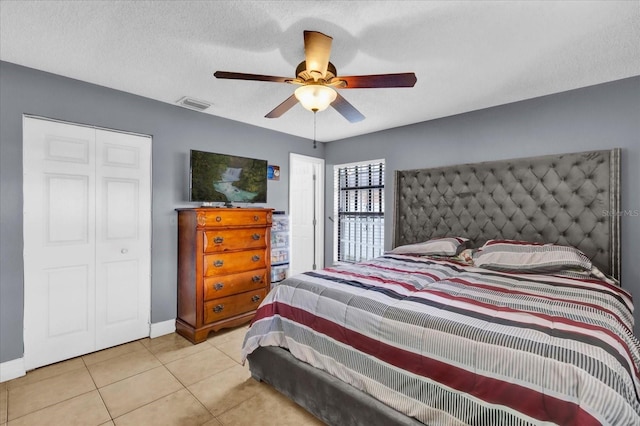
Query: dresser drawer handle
point(218, 240)
point(256, 237)
point(218, 286)
point(218, 218)
point(256, 278)
point(255, 298)
point(256, 218)
point(255, 258)
point(218, 308)
point(218, 263)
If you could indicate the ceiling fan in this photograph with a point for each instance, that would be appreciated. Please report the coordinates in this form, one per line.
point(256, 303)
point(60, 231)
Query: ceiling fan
point(318, 79)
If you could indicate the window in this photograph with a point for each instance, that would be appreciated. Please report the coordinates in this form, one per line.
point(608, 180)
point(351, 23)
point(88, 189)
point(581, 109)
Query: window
point(359, 211)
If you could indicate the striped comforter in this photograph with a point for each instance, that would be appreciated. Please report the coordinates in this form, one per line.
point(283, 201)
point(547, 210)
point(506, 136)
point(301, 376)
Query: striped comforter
point(452, 344)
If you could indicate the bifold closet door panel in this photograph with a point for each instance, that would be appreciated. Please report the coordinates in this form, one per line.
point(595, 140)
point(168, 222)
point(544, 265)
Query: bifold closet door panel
point(59, 241)
point(123, 237)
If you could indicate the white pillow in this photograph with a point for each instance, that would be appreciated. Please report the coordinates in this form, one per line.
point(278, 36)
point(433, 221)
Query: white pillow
point(527, 257)
point(448, 246)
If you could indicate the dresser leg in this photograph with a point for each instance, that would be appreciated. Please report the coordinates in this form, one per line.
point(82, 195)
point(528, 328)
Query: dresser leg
point(191, 334)
point(199, 335)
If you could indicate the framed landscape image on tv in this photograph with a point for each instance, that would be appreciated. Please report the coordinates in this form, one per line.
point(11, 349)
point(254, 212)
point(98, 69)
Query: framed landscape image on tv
point(227, 178)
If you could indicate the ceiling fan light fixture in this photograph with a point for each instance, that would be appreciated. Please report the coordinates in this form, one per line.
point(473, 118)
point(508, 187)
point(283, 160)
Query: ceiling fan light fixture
point(315, 97)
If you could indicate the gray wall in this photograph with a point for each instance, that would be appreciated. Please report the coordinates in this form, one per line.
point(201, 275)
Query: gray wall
point(175, 131)
point(593, 118)
point(597, 117)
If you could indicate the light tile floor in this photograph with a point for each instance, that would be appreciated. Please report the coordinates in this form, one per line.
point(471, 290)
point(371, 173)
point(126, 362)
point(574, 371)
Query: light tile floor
point(162, 381)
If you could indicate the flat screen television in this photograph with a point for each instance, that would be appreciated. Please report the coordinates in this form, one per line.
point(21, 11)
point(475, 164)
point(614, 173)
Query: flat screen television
point(227, 178)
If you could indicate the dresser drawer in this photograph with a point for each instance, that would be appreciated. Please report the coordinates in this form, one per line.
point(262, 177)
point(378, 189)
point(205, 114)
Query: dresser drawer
point(226, 307)
point(233, 239)
point(230, 263)
point(215, 287)
point(234, 217)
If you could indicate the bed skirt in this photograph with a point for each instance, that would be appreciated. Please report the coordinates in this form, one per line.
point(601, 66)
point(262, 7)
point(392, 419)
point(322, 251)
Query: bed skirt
point(329, 399)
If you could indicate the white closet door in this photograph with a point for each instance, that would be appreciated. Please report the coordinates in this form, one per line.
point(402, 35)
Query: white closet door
point(69, 308)
point(123, 235)
point(59, 241)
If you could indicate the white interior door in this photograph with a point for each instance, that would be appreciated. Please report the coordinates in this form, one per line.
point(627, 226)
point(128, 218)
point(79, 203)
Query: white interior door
point(73, 286)
point(59, 242)
point(123, 236)
point(306, 212)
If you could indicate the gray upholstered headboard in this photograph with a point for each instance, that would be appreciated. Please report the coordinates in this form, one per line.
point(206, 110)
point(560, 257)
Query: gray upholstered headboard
point(568, 199)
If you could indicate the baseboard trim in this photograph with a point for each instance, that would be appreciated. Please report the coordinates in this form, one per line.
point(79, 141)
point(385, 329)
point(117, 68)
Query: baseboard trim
point(12, 369)
point(15, 368)
point(158, 329)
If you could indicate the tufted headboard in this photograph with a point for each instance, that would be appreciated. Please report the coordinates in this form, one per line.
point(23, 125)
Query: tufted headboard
point(568, 199)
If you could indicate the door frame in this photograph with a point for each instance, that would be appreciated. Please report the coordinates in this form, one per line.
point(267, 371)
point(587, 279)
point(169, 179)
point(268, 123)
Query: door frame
point(318, 199)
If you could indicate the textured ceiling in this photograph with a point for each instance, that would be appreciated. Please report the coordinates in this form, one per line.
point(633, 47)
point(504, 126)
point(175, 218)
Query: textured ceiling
point(466, 55)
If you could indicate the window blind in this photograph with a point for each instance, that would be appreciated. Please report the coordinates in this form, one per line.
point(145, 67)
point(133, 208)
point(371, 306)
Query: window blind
point(359, 201)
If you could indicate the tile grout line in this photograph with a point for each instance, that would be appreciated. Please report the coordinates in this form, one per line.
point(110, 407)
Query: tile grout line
point(47, 378)
point(44, 378)
point(163, 364)
point(144, 405)
point(104, 404)
point(96, 388)
point(137, 374)
point(49, 406)
point(201, 403)
point(211, 344)
point(184, 387)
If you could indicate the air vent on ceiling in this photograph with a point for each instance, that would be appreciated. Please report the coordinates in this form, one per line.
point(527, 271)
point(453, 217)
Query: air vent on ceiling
point(194, 104)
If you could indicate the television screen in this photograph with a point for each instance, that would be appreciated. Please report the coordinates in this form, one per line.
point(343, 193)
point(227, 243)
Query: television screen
point(227, 178)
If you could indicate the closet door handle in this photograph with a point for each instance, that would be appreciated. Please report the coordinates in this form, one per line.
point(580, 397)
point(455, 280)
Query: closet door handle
point(256, 237)
point(218, 263)
point(218, 308)
point(255, 258)
point(255, 298)
point(218, 240)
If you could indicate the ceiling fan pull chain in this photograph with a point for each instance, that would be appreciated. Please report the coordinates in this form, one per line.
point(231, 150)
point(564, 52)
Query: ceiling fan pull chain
point(315, 113)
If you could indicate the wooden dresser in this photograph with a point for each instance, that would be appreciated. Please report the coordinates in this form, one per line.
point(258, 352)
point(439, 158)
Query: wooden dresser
point(224, 267)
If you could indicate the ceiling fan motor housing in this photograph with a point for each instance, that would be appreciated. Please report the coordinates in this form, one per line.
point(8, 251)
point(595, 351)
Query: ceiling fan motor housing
point(304, 74)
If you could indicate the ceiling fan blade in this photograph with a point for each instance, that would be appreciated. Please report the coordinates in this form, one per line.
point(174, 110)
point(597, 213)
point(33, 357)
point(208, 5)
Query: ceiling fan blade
point(283, 107)
point(347, 110)
point(317, 48)
point(407, 79)
point(256, 77)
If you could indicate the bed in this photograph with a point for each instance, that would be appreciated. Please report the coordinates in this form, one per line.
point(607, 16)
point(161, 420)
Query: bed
point(498, 305)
